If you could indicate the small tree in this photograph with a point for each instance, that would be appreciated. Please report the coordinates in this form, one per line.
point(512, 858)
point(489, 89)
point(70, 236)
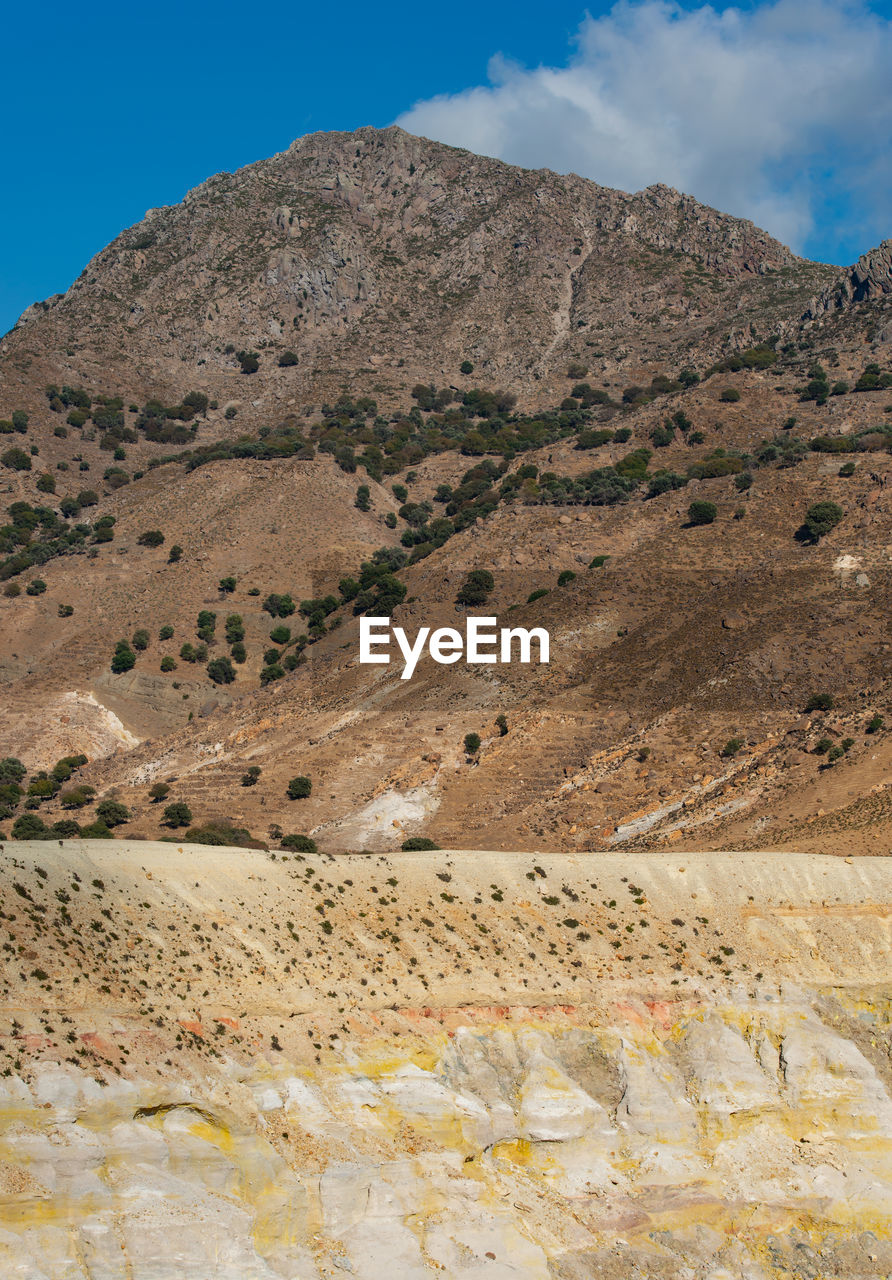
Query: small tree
point(476, 588)
point(819, 702)
point(701, 512)
point(160, 791)
point(16, 460)
point(112, 813)
point(299, 843)
point(363, 498)
point(166, 632)
point(227, 585)
point(123, 659)
point(251, 776)
point(46, 483)
point(177, 814)
point(140, 639)
point(151, 538)
point(221, 671)
point(280, 635)
point(472, 743)
point(820, 518)
point(175, 553)
point(299, 788)
point(29, 827)
point(11, 770)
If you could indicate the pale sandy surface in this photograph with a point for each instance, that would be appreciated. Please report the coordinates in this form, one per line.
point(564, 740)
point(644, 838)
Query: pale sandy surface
point(459, 1076)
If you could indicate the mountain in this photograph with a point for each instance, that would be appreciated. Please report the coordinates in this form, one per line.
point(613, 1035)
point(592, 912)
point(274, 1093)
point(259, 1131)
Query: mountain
point(226, 375)
point(379, 259)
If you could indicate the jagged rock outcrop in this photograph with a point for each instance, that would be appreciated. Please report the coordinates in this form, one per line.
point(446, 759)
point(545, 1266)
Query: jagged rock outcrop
point(869, 279)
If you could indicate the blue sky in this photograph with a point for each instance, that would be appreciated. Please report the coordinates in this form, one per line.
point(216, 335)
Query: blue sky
point(779, 111)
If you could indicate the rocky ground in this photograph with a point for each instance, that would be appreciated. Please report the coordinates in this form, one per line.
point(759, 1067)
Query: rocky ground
point(236, 1064)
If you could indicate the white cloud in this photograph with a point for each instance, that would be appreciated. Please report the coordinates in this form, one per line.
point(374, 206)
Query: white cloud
point(781, 113)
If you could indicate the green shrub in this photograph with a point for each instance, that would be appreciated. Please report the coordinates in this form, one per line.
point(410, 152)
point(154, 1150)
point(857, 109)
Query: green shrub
point(298, 843)
point(565, 576)
point(280, 634)
point(299, 788)
point(112, 813)
point(502, 724)
point(390, 520)
point(77, 797)
point(819, 702)
point(168, 663)
point(731, 747)
point(227, 585)
point(177, 814)
point(42, 787)
point(238, 652)
point(820, 518)
point(66, 829)
point(29, 827)
point(166, 632)
point(249, 361)
point(417, 844)
point(36, 587)
point(466, 367)
point(730, 395)
point(140, 639)
point(65, 610)
point(151, 538)
point(16, 460)
point(272, 671)
point(46, 483)
point(472, 743)
point(11, 770)
point(222, 832)
point(175, 554)
point(124, 659)
point(701, 512)
point(822, 746)
point(363, 498)
point(874, 724)
point(221, 671)
point(251, 775)
point(96, 831)
point(159, 791)
point(537, 595)
point(476, 588)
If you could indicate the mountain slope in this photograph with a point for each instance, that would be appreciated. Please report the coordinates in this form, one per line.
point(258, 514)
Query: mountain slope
point(383, 258)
